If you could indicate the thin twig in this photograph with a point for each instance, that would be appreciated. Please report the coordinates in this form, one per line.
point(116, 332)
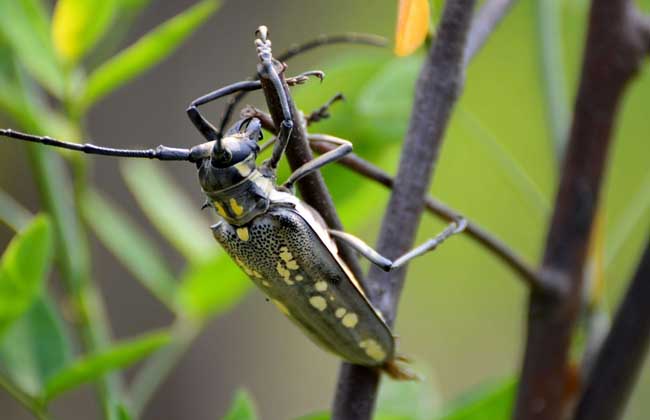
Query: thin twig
point(612, 56)
point(620, 360)
point(498, 248)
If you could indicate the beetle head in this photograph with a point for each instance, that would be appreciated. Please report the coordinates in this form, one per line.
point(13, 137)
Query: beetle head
point(233, 158)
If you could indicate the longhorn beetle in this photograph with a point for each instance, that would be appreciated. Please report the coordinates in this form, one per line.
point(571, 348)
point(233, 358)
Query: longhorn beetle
point(280, 242)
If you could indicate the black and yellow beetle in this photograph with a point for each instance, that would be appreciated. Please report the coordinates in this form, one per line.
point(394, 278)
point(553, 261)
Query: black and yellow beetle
point(280, 242)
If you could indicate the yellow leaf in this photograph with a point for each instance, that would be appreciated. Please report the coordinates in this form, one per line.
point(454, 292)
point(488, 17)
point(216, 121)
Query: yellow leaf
point(68, 24)
point(78, 24)
point(412, 25)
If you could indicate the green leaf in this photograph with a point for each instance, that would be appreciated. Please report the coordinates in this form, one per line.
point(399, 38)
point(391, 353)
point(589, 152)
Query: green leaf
point(492, 402)
point(92, 367)
point(77, 25)
point(35, 346)
point(130, 245)
point(634, 217)
point(12, 214)
point(325, 415)
point(25, 26)
point(414, 400)
point(146, 52)
point(123, 413)
point(512, 171)
point(242, 407)
point(388, 98)
point(389, 95)
point(213, 287)
point(23, 268)
point(168, 209)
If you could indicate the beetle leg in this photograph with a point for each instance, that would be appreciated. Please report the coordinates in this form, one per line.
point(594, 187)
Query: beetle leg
point(267, 70)
point(323, 112)
point(201, 123)
point(344, 147)
point(386, 264)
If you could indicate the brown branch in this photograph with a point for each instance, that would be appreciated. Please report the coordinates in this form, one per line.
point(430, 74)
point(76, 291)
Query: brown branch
point(621, 358)
point(437, 88)
point(612, 57)
point(498, 248)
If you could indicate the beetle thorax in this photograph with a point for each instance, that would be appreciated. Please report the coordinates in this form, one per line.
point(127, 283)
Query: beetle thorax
point(239, 192)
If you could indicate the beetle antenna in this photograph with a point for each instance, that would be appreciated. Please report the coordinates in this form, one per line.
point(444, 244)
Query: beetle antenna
point(323, 40)
point(160, 152)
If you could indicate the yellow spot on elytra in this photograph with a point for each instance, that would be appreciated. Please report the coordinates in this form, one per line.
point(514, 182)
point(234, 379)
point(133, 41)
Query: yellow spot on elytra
point(243, 233)
point(286, 264)
point(318, 302)
point(340, 312)
point(247, 270)
point(284, 273)
point(266, 283)
point(373, 349)
point(350, 320)
point(321, 286)
point(281, 307)
point(236, 208)
point(220, 210)
point(285, 254)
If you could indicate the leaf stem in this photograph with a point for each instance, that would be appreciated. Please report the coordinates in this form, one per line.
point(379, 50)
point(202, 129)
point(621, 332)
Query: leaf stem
point(26, 400)
point(157, 368)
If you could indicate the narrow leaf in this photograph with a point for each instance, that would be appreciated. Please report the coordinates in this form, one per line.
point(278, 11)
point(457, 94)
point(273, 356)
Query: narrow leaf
point(146, 52)
point(211, 288)
point(12, 214)
point(77, 25)
point(24, 265)
point(415, 400)
point(412, 25)
point(25, 26)
point(92, 367)
point(125, 240)
point(635, 216)
point(492, 402)
point(242, 407)
point(169, 210)
point(35, 346)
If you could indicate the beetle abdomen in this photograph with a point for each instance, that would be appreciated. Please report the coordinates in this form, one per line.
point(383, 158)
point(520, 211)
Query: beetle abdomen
point(281, 252)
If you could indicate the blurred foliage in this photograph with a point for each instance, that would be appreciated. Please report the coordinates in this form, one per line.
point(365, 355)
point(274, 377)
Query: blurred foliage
point(498, 167)
point(242, 407)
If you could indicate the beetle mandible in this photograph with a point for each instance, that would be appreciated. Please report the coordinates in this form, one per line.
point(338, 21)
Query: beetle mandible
point(279, 241)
